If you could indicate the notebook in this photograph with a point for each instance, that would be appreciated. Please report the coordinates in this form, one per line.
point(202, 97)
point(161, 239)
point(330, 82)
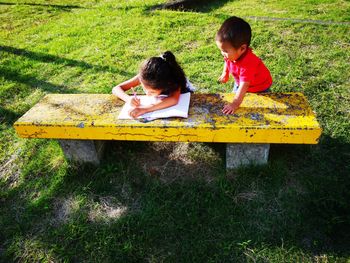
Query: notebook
point(178, 110)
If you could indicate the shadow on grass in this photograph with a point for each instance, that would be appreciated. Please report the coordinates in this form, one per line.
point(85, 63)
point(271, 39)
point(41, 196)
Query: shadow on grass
point(68, 8)
point(47, 58)
point(317, 181)
point(8, 117)
point(191, 5)
point(63, 7)
point(297, 206)
point(32, 81)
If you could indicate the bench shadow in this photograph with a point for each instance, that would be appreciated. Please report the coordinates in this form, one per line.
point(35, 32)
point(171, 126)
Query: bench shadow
point(299, 202)
point(318, 178)
point(175, 161)
point(304, 186)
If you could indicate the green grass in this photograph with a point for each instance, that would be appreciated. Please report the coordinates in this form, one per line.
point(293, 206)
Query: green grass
point(171, 202)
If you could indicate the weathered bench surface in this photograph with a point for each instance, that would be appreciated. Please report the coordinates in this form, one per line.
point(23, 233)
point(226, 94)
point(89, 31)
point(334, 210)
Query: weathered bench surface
point(263, 118)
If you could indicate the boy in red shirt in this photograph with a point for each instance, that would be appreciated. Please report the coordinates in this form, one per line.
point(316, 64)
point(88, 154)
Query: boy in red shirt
point(249, 72)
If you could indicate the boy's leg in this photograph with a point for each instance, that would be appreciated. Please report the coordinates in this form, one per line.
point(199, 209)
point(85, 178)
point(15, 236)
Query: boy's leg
point(267, 90)
point(235, 89)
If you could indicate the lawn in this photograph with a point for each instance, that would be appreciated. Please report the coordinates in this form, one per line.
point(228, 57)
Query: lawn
point(168, 202)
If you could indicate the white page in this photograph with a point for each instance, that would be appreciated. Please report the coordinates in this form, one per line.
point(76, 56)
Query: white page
point(178, 110)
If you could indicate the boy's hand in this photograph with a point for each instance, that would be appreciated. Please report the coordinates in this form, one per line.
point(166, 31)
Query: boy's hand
point(231, 107)
point(135, 102)
point(136, 112)
point(224, 78)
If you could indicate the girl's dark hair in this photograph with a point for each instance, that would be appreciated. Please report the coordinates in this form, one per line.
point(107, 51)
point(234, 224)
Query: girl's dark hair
point(163, 73)
point(236, 31)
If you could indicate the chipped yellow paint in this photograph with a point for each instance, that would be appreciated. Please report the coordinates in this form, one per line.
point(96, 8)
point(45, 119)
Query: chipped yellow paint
point(263, 118)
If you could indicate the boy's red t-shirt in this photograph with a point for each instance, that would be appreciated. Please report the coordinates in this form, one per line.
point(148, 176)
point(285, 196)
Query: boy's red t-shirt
point(250, 68)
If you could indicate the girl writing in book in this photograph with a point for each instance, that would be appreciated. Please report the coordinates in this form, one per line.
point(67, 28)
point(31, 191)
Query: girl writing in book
point(160, 77)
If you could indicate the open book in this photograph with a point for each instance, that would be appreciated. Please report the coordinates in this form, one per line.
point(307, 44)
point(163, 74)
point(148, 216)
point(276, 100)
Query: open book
point(178, 110)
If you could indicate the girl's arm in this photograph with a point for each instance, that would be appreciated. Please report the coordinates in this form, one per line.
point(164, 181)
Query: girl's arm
point(232, 107)
point(167, 102)
point(120, 89)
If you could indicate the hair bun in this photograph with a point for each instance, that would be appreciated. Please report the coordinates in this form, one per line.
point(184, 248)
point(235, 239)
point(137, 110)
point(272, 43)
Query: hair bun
point(168, 56)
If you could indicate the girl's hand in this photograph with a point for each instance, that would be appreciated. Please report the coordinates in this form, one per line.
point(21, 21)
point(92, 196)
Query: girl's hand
point(224, 78)
point(231, 107)
point(134, 101)
point(136, 112)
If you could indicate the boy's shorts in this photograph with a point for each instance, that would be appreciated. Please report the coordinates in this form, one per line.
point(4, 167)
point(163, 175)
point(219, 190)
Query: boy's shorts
point(235, 89)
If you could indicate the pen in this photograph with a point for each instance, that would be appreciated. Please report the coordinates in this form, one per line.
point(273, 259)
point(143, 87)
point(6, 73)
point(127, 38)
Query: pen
point(133, 91)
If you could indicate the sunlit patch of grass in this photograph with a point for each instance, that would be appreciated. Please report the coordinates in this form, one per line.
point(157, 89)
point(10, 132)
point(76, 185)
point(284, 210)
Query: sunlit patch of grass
point(31, 249)
point(65, 208)
point(106, 210)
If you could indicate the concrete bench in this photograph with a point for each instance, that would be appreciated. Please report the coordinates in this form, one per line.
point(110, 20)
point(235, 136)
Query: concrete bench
point(82, 122)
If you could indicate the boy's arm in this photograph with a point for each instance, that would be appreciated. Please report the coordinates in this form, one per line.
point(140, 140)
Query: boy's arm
point(237, 100)
point(225, 74)
point(120, 89)
point(167, 102)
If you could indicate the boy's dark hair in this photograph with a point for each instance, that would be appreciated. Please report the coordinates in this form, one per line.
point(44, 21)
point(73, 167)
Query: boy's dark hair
point(163, 73)
point(236, 31)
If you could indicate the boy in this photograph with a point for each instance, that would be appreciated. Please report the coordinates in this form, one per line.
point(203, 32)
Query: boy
point(249, 72)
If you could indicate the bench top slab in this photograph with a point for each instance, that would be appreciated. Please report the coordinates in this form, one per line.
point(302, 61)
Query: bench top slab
point(262, 118)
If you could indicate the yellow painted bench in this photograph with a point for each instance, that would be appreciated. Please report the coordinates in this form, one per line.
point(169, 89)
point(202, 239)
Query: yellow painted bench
point(83, 120)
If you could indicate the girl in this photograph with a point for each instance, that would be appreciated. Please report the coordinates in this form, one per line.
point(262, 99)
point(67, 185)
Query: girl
point(159, 77)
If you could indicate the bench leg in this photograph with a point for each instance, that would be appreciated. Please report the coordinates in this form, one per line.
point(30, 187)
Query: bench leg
point(241, 154)
point(83, 151)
